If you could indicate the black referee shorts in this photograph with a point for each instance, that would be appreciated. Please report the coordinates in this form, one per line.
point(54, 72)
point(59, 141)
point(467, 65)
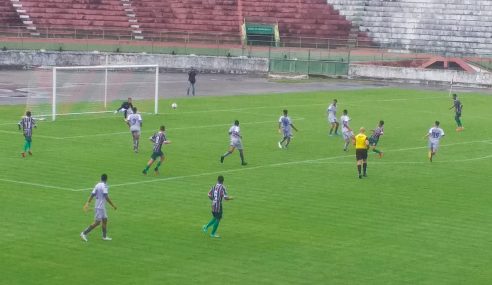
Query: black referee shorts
point(361, 153)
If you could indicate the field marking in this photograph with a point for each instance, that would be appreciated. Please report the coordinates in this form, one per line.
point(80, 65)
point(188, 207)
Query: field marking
point(318, 160)
point(411, 162)
point(258, 107)
point(36, 184)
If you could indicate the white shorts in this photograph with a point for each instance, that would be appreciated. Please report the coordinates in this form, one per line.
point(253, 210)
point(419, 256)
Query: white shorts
point(135, 130)
point(434, 146)
point(332, 119)
point(100, 215)
point(237, 144)
point(347, 135)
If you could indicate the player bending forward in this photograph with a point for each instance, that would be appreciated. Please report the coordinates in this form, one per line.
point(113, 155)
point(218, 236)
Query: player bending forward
point(235, 136)
point(332, 117)
point(346, 130)
point(216, 194)
point(26, 124)
point(102, 196)
point(285, 127)
point(374, 139)
point(158, 139)
point(435, 134)
point(134, 121)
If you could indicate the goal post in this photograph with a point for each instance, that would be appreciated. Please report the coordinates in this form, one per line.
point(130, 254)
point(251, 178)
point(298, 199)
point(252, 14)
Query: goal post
point(55, 102)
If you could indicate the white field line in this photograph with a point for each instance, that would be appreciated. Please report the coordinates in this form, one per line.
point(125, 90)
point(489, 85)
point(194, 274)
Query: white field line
point(408, 162)
point(255, 108)
point(318, 160)
point(172, 129)
point(36, 184)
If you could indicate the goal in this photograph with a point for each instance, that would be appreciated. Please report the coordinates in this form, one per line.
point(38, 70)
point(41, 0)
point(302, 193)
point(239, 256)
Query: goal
point(99, 89)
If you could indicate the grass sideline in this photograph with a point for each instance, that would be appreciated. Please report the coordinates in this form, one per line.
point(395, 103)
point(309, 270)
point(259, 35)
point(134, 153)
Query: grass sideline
point(301, 216)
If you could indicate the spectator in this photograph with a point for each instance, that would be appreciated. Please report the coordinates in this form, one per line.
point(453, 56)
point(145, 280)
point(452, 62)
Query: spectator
point(192, 79)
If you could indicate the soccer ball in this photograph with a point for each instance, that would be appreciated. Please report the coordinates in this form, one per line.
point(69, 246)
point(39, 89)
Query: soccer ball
point(174, 106)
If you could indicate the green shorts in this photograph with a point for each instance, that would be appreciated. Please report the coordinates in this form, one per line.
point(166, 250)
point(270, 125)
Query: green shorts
point(373, 141)
point(155, 155)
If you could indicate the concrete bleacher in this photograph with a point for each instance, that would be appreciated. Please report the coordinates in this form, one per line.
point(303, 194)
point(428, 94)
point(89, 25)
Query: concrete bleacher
point(185, 18)
point(8, 15)
point(438, 26)
point(85, 17)
point(306, 18)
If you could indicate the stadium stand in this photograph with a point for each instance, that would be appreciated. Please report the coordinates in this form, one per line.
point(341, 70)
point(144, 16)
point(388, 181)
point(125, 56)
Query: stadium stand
point(8, 14)
point(176, 18)
point(86, 17)
point(441, 26)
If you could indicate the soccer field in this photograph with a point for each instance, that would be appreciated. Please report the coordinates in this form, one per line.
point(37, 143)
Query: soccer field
point(300, 216)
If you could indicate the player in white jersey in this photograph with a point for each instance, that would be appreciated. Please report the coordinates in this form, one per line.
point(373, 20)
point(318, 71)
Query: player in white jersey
point(101, 193)
point(134, 121)
point(235, 136)
point(332, 117)
point(285, 127)
point(434, 135)
point(346, 130)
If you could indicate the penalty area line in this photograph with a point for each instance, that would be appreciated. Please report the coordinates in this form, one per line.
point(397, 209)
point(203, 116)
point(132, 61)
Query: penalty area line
point(36, 184)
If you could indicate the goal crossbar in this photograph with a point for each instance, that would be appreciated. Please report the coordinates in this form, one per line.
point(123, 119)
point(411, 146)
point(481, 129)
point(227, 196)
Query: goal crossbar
point(105, 68)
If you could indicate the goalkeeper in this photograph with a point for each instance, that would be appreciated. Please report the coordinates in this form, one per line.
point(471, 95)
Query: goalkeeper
point(126, 107)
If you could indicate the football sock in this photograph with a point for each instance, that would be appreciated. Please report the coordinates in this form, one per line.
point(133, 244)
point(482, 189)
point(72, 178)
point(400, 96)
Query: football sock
point(364, 167)
point(376, 151)
point(104, 230)
point(26, 145)
point(358, 168)
point(458, 121)
point(88, 230)
point(346, 146)
point(336, 129)
point(147, 168)
point(216, 225)
point(157, 166)
point(226, 154)
point(212, 221)
point(288, 142)
point(241, 155)
point(331, 131)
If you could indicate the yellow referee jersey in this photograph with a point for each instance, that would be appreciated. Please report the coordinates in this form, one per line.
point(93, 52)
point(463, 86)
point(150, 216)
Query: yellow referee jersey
point(360, 141)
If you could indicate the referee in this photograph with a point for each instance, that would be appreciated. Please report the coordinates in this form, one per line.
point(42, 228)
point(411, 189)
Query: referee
point(361, 146)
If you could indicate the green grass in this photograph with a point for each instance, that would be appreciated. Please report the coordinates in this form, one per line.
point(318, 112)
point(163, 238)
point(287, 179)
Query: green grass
point(301, 216)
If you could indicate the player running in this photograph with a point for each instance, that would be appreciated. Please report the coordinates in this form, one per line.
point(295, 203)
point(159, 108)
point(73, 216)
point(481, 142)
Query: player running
point(284, 127)
point(374, 139)
point(26, 124)
point(435, 134)
point(332, 117)
point(102, 196)
point(134, 121)
point(158, 139)
point(361, 145)
point(235, 136)
point(346, 130)
point(457, 108)
point(216, 194)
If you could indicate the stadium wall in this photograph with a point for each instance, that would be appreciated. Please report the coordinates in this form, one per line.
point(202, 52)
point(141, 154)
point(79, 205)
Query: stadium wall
point(419, 75)
point(212, 64)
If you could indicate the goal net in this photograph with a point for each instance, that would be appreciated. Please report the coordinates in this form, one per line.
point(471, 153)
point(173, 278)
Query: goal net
point(78, 90)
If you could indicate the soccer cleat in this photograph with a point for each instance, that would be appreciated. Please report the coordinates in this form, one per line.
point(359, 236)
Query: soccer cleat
point(279, 145)
point(23, 154)
point(244, 163)
point(215, 236)
point(156, 171)
point(144, 172)
point(83, 237)
point(107, 238)
point(222, 159)
point(360, 176)
point(30, 153)
point(204, 228)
